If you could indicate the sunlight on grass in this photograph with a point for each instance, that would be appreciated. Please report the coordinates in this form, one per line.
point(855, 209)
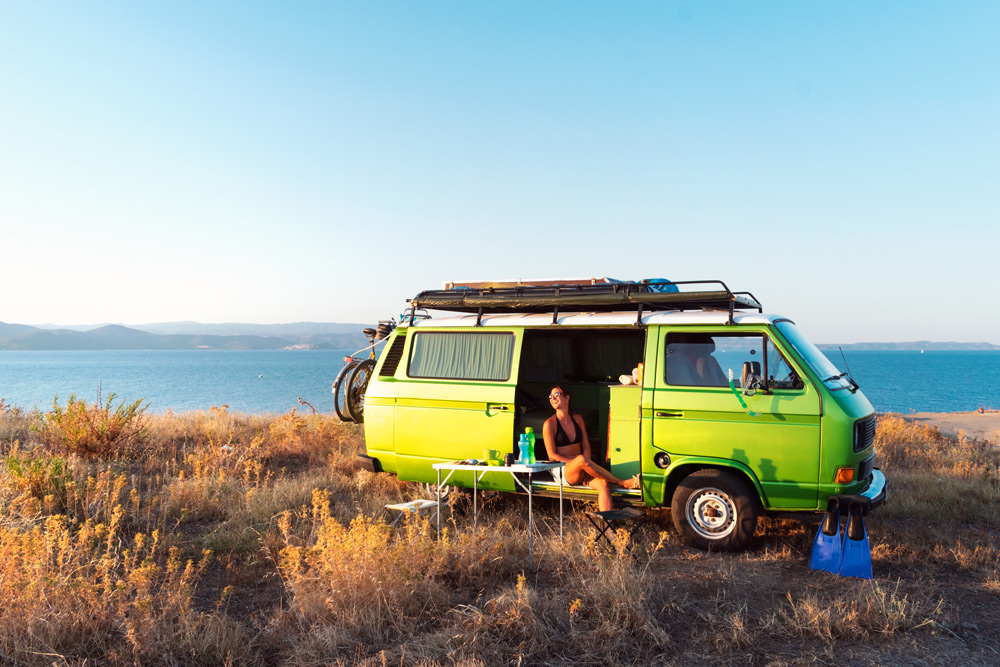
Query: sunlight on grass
point(219, 538)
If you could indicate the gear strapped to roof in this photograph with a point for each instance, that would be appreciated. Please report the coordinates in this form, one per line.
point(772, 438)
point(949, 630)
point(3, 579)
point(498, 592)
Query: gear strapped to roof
point(592, 296)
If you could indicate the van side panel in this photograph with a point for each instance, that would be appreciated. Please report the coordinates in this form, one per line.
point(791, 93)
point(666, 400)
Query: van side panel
point(439, 420)
point(780, 445)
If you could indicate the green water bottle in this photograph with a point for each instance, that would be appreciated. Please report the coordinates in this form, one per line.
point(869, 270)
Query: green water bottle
point(529, 434)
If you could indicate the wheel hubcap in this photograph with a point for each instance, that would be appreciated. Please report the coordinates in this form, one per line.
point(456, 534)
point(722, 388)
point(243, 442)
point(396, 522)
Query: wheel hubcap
point(711, 513)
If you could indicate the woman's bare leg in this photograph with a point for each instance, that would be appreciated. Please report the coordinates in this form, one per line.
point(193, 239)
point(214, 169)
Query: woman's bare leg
point(603, 493)
point(574, 470)
point(597, 471)
point(582, 465)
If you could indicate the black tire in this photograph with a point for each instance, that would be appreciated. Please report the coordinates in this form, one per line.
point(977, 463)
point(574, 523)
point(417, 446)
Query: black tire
point(356, 387)
point(715, 511)
point(340, 386)
point(458, 497)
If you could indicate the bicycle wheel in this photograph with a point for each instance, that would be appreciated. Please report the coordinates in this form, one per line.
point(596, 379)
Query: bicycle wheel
point(356, 389)
point(340, 391)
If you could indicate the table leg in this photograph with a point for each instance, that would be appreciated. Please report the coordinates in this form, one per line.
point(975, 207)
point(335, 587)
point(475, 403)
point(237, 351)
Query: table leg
point(438, 536)
point(560, 507)
point(475, 501)
point(531, 529)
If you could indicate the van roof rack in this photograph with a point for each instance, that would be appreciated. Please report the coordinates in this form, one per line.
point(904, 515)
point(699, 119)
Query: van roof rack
point(590, 295)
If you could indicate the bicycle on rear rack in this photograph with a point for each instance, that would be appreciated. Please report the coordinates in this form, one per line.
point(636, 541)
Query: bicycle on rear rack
point(352, 381)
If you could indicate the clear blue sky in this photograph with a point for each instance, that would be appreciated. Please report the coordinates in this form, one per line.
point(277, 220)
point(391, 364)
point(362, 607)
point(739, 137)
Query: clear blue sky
point(276, 162)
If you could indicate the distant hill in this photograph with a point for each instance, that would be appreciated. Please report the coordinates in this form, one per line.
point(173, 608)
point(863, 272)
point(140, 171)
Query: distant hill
point(293, 329)
point(297, 335)
point(14, 329)
point(912, 346)
point(331, 336)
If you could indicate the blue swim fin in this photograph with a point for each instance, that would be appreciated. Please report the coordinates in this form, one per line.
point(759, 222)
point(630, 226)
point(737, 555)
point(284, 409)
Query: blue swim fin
point(826, 546)
point(856, 560)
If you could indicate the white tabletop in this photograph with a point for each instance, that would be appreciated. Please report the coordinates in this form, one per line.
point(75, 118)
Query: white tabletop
point(541, 466)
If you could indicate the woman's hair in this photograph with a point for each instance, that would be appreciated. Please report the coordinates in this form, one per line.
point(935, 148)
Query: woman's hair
point(561, 390)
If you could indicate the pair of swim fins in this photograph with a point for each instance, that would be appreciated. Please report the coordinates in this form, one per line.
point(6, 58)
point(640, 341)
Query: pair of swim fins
point(850, 556)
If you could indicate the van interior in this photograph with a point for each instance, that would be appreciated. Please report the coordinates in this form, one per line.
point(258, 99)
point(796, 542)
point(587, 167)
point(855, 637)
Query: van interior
point(585, 363)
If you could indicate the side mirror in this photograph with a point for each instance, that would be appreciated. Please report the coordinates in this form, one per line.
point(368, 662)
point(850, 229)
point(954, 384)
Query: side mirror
point(750, 377)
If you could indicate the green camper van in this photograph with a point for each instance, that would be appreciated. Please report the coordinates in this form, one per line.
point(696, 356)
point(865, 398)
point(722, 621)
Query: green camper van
point(735, 413)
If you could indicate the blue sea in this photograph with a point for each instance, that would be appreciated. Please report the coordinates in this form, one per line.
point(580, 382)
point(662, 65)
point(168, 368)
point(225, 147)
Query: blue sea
point(273, 381)
point(930, 381)
point(247, 381)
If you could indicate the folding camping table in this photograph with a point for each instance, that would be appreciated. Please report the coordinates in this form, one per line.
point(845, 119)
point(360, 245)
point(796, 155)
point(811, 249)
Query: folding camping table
point(514, 470)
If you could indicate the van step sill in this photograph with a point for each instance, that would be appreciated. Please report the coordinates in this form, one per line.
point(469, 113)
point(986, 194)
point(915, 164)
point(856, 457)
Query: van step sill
point(581, 492)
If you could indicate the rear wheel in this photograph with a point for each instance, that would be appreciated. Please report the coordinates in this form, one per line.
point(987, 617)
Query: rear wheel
point(714, 510)
point(340, 386)
point(431, 489)
point(457, 497)
point(356, 387)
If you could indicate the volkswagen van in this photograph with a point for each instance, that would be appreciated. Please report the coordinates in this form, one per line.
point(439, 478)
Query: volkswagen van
point(736, 413)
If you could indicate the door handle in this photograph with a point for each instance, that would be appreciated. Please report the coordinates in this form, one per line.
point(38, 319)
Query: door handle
point(669, 414)
point(496, 407)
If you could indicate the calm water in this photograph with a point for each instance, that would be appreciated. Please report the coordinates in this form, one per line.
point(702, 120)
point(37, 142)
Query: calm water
point(925, 382)
point(272, 381)
point(252, 381)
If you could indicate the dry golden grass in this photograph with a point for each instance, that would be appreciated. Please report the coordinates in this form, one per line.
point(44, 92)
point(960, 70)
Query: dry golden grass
point(220, 538)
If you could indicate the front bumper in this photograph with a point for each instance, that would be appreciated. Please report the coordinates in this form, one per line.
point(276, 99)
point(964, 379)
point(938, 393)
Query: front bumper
point(872, 497)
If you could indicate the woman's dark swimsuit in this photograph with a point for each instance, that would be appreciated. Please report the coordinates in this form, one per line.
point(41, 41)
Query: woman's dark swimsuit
point(563, 440)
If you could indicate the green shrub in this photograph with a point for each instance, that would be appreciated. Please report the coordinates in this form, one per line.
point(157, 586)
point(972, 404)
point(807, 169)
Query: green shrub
point(104, 429)
point(38, 476)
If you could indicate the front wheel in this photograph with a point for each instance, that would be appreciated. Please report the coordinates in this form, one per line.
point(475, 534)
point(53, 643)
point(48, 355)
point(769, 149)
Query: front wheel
point(714, 510)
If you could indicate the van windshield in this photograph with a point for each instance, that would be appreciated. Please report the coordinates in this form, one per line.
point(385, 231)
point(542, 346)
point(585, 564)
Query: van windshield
point(811, 354)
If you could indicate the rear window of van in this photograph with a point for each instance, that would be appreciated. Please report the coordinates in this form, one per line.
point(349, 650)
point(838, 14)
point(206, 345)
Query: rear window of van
point(453, 355)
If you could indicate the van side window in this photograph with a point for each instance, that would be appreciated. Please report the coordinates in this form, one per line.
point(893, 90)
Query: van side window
point(780, 375)
point(703, 360)
point(461, 355)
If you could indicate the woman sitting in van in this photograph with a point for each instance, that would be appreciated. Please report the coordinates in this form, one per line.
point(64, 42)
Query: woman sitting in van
point(566, 440)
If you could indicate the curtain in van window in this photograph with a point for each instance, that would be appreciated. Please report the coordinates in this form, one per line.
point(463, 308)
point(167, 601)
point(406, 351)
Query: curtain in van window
point(553, 353)
point(610, 355)
point(462, 356)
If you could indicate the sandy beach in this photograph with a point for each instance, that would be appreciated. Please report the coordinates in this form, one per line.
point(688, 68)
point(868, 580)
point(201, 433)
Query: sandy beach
point(979, 425)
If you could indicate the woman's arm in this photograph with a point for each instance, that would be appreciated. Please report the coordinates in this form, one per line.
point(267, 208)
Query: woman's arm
point(585, 442)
